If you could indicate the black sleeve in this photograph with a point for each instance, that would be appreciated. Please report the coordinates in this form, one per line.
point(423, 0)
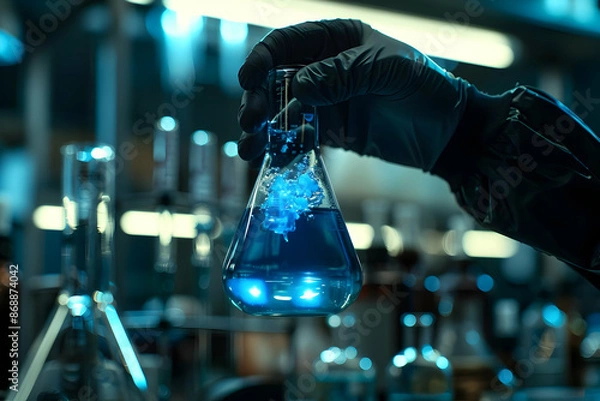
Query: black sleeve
point(529, 168)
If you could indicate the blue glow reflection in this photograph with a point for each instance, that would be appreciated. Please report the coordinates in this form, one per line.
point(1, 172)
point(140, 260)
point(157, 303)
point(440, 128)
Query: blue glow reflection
point(442, 363)
point(126, 348)
point(230, 149)
point(250, 291)
point(411, 354)
point(11, 49)
point(485, 283)
point(553, 316)
point(505, 376)
point(472, 337)
point(400, 360)
point(410, 320)
point(201, 138)
point(365, 364)
point(432, 283)
point(308, 294)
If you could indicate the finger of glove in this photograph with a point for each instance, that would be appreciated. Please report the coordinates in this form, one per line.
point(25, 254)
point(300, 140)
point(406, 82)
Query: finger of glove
point(299, 44)
point(252, 114)
point(335, 79)
point(383, 66)
point(251, 146)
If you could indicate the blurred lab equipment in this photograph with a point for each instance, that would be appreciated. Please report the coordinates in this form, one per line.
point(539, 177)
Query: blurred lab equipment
point(341, 373)
point(476, 368)
point(419, 372)
point(84, 352)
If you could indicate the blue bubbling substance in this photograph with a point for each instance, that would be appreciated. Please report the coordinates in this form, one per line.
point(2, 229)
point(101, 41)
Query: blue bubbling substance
point(289, 196)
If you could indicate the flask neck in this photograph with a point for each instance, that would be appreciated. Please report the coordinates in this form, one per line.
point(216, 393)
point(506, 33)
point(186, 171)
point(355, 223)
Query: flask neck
point(292, 125)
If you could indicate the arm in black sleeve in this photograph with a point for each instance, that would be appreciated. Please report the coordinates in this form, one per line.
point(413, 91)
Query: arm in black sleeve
point(527, 167)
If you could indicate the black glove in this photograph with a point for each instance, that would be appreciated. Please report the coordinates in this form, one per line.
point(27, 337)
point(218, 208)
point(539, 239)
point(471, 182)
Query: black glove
point(375, 95)
point(535, 179)
point(505, 157)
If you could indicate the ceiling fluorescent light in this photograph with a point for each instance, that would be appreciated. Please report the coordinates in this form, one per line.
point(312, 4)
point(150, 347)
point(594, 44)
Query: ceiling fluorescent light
point(488, 244)
point(141, 2)
point(444, 39)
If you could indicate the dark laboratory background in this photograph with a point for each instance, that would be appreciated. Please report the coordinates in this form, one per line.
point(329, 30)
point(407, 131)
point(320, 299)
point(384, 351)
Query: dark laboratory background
point(447, 310)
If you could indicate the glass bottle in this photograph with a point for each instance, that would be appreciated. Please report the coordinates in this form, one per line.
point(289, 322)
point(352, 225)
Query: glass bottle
point(590, 354)
point(166, 181)
point(203, 166)
point(477, 370)
point(291, 254)
point(233, 196)
point(543, 343)
point(340, 372)
point(375, 213)
point(419, 372)
point(84, 352)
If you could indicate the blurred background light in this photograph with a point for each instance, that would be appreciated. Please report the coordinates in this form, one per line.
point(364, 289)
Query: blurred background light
point(230, 149)
point(11, 49)
point(431, 283)
point(50, 218)
point(361, 235)
point(146, 224)
point(488, 244)
point(233, 32)
point(442, 39)
point(485, 282)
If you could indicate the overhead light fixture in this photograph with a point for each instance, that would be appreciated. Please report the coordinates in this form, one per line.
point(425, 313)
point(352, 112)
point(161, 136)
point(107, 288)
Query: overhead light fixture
point(488, 244)
point(141, 2)
point(447, 39)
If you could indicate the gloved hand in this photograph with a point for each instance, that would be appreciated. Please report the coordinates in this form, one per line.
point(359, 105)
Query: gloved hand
point(375, 95)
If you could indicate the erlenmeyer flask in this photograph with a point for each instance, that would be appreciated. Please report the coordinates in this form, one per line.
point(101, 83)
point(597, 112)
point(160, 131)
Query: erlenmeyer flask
point(291, 254)
point(84, 352)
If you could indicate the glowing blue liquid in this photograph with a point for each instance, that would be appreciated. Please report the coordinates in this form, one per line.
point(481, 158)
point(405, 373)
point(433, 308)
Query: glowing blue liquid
point(314, 272)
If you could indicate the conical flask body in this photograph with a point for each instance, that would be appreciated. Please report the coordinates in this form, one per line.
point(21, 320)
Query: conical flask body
point(292, 253)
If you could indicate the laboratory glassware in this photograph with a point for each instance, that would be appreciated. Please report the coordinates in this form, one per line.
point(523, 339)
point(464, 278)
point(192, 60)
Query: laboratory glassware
point(476, 368)
point(84, 352)
point(419, 372)
point(203, 193)
point(341, 373)
point(291, 254)
point(166, 182)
